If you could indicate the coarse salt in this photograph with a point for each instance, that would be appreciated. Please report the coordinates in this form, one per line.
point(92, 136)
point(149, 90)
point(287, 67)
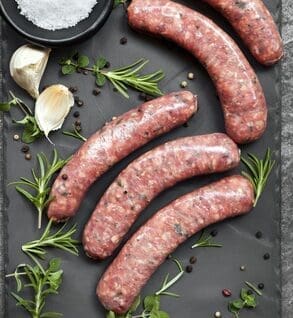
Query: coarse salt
point(56, 14)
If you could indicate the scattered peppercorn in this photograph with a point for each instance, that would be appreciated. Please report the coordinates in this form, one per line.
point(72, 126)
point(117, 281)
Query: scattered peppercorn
point(183, 84)
point(226, 292)
point(73, 89)
point(258, 234)
point(115, 90)
point(85, 72)
point(16, 137)
point(123, 40)
point(64, 176)
point(80, 103)
point(185, 125)
point(190, 76)
point(25, 149)
point(261, 286)
point(242, 268)
point(107, 65)
point(76, 114)
point(28, 156)
point(189, 269)
point(218, 314)
point(267, 256)
point(96, 92)
point(192, 260)
point(214, 233)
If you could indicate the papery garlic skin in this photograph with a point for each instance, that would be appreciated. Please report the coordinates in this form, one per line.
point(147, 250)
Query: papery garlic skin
point(52, 107)
point(27, 67)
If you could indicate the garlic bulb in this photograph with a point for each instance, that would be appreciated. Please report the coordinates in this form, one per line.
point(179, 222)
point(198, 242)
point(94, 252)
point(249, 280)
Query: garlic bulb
point(52, 107)
point(27, 66)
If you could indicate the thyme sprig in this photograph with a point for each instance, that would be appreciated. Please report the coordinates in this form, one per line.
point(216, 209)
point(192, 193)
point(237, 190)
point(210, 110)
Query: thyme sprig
point(43, 282)
point(75, 134)
point(120, 78)
point(31, 131)
point(151, 304)
point(247, 300)
point(40, 184)
point(61, 239)
point(258, 172)
point(206, 240)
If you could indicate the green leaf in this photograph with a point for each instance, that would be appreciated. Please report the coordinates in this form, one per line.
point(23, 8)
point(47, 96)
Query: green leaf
point(135, 305)
point(101, 63)
point(5, 107)
point(237, 304)
point(243, 293)
point(54, 264)
point(250, 301)
point(100, 79)
point(151, 303)
point(111, 314)
point(68, 69)
point(163, 314)
point(83, 61)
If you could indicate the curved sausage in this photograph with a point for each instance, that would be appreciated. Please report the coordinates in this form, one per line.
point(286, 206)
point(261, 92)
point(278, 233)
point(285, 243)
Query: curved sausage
point(161, 235)
point(145, 178)
point(255, 25)
point(113, 142)
point(239, 90)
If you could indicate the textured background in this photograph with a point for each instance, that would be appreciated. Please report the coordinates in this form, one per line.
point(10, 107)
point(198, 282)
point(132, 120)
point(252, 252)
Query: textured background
point(287, 169)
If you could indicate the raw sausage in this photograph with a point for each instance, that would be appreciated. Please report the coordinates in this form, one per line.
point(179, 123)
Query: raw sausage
point(161, 235)
point(114, 142)
point(255, 25)
point(146, 177)
point(239, 90)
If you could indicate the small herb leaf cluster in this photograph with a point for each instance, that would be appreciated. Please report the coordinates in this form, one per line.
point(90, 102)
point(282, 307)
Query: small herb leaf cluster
point(75, 134)
point(43, 282)
point(258, 172)
point(205, 240)
point(61, 239)
point(120, 78)
point(151, 305)
point(31, 130)
point(247, 300)
point(40, 183)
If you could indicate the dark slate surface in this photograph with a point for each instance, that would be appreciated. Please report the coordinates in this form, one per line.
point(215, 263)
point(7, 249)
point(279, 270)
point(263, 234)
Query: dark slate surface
point(287, 151)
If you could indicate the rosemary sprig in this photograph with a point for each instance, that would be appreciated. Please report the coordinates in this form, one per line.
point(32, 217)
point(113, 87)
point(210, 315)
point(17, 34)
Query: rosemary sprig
point(205, 240)
point(61, 239)
point(40, 184)
point(43, 282)
point(258, 172)
point(75, 134)
point(120, 78)
point(152, 303)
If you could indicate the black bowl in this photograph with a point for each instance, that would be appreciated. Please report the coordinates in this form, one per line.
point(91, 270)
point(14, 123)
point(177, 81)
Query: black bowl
point(36, 35)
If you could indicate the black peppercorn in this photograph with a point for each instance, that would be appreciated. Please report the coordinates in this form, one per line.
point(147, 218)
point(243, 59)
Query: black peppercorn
point(185, 125)
point(107, 65)
point(25, 149)
point(76, 114)
point(258, 234)
point(189, 269)
point(192, 260)
point(214, 233)
point(96, 92)
point(79, 103)
point(266, 256)
point(261, 286)
point(123, 40)
point(73, 89)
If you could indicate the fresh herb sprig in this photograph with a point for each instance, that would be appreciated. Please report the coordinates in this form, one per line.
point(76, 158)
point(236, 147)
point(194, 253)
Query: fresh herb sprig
point(206, 240)
point(120, 78)
point(40, 183)
point(31, 130)
point(61, 239)
point(43, 282)
point(247, 300)
point(75, 134)
point(152, 303)
point(258, 172)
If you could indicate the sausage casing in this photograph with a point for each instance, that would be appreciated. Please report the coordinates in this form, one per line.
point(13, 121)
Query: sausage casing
point(253, 22)
point(145, 178)
point(239, 90)
point(148, 248)
point(114, 142)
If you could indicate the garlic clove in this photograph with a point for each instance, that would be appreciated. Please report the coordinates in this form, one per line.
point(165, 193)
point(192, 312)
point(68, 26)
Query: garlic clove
point(27, 66)
point(52, 107)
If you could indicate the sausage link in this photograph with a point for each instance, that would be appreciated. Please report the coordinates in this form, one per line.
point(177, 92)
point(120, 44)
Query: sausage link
point(253, 22)
point(145, 178)
point(239, 90)
point(164, 232)
point(112, 143)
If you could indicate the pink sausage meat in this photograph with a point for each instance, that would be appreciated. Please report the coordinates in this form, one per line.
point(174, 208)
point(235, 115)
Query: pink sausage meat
point(161, 235)
point(114, 142)
point(239, 90)
point(146, 177)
